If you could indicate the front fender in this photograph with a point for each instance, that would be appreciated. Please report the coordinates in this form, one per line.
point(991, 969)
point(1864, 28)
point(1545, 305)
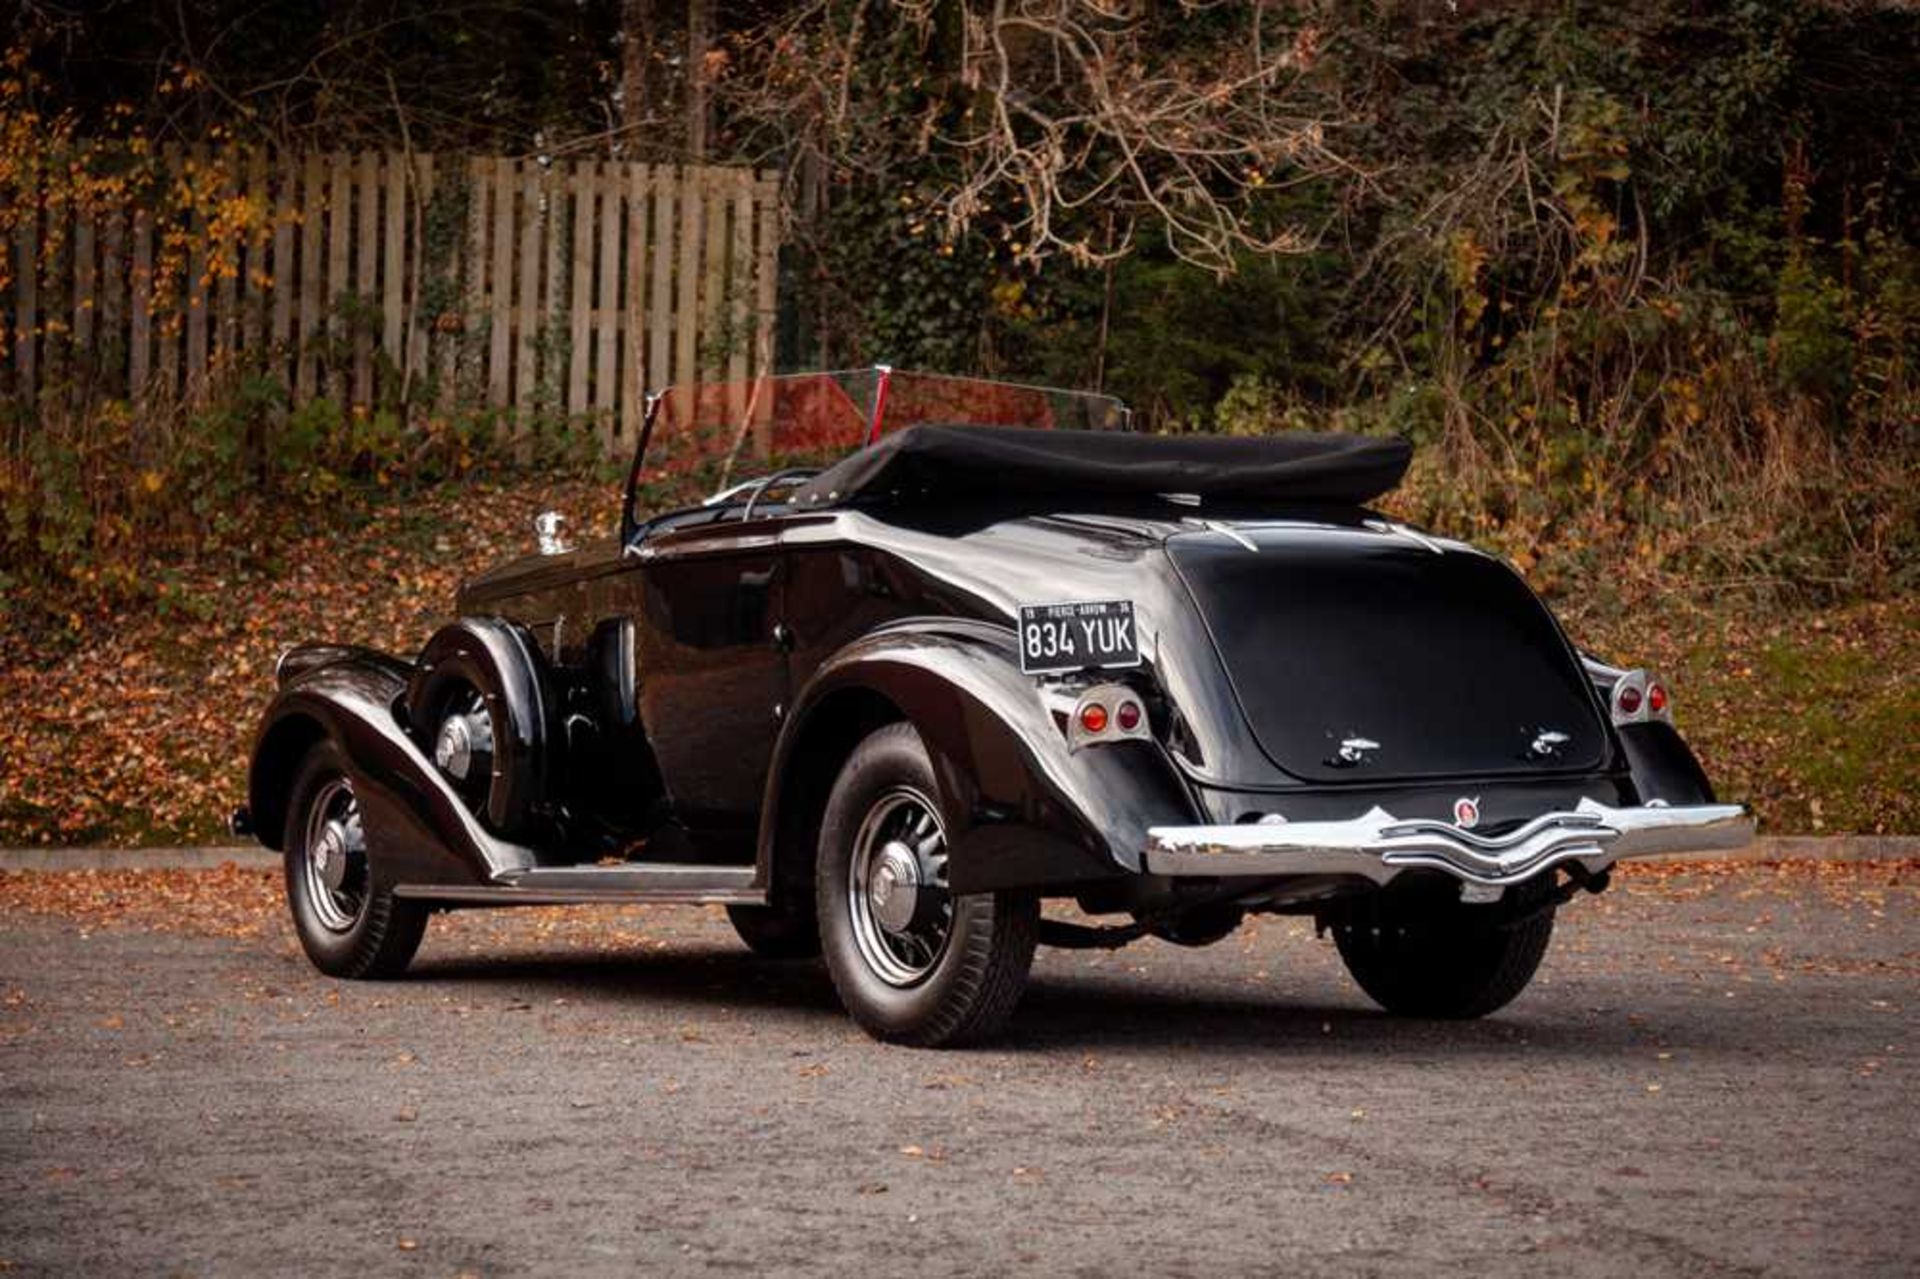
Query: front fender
point(421, 830)
point(1022, 810)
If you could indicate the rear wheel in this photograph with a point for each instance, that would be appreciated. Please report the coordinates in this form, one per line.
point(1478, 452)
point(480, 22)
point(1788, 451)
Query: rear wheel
point(1451, 960)
point(912, 961)
point(349, 921)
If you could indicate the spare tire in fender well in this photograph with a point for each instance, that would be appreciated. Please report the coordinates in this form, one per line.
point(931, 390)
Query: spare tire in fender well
point(498, 658)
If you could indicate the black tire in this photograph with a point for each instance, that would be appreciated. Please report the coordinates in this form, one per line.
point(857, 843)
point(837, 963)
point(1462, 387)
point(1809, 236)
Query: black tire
point(902, 987)
point(775, 932)
point(1449, 961)
point(359, 928)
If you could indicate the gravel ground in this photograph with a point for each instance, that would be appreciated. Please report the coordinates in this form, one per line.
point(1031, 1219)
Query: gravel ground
point(1714, 1071)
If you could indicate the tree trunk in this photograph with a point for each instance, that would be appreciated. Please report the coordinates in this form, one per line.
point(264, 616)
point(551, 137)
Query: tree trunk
point(699, 103)
point(640, 95)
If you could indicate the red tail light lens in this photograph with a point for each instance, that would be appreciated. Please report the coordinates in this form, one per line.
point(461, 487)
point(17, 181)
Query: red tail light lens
point(1629, 699)
point(1104, 715)
point(1657, 698)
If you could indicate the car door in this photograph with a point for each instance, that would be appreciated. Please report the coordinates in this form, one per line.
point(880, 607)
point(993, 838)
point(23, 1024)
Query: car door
point(712, 670)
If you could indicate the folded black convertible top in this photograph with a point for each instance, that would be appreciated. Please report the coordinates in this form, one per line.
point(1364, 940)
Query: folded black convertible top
point(940, 461)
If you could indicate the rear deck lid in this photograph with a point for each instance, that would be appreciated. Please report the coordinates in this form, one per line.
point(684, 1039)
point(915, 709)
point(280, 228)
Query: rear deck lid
point(1364, 656)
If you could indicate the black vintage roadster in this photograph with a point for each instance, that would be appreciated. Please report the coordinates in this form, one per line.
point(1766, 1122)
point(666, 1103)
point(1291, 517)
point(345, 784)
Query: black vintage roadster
point(934, 665)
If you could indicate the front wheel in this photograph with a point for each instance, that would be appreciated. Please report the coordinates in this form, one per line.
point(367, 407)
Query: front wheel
point(913, 962)
point(349, 921)
point(1447, 962)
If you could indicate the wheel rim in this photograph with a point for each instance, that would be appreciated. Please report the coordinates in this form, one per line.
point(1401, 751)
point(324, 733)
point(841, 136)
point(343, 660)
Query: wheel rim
point(334, 857)
point(897, 892)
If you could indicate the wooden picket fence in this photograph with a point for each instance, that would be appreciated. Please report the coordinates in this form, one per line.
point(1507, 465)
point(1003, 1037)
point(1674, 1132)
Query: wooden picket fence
point(545, 292)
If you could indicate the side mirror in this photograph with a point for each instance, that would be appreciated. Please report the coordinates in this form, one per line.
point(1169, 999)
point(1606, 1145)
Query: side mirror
point(546, 530)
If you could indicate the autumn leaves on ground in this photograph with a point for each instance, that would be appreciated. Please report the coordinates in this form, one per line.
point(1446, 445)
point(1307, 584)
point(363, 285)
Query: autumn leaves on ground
point(138, 731)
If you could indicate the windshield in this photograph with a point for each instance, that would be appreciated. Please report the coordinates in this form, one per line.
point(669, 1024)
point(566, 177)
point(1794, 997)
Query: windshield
point(819, 418)
point(709, 436)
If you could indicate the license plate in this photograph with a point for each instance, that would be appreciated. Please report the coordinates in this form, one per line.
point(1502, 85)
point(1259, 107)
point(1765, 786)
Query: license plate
point(1072, 637)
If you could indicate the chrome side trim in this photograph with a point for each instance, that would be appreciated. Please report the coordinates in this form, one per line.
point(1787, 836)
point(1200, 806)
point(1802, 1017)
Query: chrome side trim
point(1229, 531)
point(1379, 846)
point(480, 895)
point(622, 882)
point(1411, 534)
point(636, 877)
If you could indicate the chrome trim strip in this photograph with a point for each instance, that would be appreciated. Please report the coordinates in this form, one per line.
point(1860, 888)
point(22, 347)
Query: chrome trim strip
point(1379, 846)
point(480, 895)
point(639, 877)
point(623, 882)
point(1414, 535)
point(1229, 531)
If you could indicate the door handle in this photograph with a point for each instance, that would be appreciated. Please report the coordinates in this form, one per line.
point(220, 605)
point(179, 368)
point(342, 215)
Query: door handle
point(783, 637)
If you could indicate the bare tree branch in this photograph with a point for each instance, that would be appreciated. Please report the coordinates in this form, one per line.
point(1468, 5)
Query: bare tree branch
point(1051, 116)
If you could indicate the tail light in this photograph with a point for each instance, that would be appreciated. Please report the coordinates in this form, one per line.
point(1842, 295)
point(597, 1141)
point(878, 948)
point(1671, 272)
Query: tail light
point(1639, 697)
point(1106, 713)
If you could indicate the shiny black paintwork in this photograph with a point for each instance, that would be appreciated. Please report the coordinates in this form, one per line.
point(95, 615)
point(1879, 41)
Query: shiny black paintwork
point(755, 652)
point(426, 835)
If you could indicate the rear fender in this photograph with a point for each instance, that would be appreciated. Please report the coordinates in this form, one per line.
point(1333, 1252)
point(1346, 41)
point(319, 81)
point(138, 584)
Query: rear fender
point(1022, 810)
point(1663, 766)
point(423, 833)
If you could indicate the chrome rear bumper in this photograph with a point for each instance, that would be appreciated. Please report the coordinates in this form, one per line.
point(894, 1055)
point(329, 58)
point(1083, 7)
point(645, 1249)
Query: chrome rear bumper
point(1379, 845)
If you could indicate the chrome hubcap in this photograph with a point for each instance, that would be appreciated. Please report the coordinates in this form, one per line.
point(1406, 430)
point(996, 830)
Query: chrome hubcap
point(897, 888)
point(335, 861)
point(893, 886)
point(330, 856)
point(464, 745)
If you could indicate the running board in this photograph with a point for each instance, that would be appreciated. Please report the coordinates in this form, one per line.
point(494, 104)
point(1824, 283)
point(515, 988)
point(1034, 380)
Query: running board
point(578, 885)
